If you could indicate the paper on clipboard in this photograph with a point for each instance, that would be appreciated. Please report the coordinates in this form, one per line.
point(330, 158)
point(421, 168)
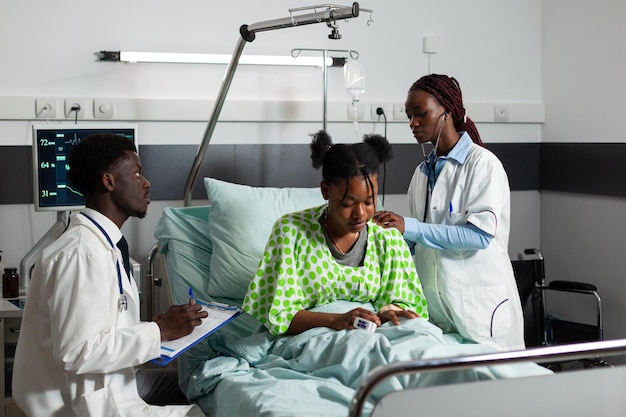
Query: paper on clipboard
point(219, 315)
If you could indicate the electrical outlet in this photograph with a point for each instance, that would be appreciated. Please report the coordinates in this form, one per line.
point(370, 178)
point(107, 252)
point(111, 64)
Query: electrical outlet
point(375, 115)
point(45, 108)
point(501, 113)
point(399, 112)
point(72, 103)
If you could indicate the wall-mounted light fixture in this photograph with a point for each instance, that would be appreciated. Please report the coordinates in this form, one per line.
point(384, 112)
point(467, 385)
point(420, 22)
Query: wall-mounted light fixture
point(185, 58)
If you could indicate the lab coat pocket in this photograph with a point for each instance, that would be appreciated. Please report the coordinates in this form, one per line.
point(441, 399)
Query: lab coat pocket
point(487, 313)
point(447, 216)
point(99, 403)
point(456, 218)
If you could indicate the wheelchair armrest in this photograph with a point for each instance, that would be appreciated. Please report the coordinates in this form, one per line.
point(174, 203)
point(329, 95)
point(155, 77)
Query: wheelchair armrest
point(572, 285)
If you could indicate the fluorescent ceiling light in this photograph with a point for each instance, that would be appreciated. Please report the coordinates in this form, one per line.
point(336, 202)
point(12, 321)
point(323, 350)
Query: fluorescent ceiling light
point(182, 58)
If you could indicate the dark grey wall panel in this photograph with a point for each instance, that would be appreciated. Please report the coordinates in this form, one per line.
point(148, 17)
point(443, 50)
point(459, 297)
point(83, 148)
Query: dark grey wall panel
point(521, 162)
point(16, 175)
point(167, 168)
point(406, 157)
point(587, 168)
point(276, 166)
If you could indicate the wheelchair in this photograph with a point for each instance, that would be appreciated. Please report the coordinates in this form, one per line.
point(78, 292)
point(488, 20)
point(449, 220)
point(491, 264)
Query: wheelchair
point(541, 328)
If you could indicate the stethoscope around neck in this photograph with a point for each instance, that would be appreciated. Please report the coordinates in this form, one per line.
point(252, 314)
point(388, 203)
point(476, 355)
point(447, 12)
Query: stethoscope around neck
point(122, 303)
point(431, 160)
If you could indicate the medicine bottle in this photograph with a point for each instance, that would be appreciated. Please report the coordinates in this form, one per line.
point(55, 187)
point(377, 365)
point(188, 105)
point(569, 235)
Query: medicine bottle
point(10, 283)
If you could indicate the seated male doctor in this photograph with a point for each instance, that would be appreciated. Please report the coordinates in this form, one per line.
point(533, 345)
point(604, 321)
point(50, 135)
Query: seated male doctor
point(81, 336)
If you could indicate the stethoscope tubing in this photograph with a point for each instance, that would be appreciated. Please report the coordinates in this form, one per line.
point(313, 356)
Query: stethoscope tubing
point(122, 302)
point(430, 166)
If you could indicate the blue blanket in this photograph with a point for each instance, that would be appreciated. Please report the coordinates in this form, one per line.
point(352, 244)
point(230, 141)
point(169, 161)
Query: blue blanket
point(317, 372)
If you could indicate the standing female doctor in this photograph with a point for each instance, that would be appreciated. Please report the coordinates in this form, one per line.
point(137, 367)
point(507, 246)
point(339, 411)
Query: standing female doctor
point(459, 202)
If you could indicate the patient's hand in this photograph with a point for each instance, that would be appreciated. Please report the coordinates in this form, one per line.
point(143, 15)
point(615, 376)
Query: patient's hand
point(392, 315)
point(180, 320)
point(305, 320)
point(389, 219)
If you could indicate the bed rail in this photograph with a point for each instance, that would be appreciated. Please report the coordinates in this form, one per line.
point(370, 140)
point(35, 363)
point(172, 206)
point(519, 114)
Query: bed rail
point(328, 13)
point(538, 355)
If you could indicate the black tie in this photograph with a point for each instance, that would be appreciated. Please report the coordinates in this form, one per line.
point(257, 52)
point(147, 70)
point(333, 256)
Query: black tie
point(123, 245)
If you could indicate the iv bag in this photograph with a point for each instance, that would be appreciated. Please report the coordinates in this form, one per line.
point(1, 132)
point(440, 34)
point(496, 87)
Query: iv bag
point(354, 78)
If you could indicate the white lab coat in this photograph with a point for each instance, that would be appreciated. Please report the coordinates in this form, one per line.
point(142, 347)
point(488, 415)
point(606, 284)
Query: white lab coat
point(472, 292)
point(76, 350)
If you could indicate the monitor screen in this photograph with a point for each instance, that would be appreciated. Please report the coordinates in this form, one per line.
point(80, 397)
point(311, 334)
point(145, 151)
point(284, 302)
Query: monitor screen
point(52, 145)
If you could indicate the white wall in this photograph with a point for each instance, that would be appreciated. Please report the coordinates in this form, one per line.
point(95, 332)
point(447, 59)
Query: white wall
point(583, 68)
point(583, 236)
point(53, 45)
point(51, 53)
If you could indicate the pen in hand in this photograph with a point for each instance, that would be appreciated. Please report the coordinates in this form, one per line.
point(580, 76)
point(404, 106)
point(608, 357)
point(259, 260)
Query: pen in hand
point(192, 300)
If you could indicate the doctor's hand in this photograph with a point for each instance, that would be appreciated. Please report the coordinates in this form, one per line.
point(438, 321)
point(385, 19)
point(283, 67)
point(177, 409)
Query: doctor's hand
point(389, 219)
point(179, 320)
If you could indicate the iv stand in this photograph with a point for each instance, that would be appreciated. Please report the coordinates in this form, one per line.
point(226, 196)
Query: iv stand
point(353, 55)
point(248, 34)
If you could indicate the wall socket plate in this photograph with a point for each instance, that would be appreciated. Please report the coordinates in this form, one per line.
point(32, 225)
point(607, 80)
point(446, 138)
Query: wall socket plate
point(360, 110)
point(71, 102)
point(500, 113)
point(103, 108)
point(399, 112)
point(377, 117)
point(46, 108)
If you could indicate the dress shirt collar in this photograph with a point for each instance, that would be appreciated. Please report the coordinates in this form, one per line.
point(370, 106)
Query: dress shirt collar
point(107, 224)
point(461, 149)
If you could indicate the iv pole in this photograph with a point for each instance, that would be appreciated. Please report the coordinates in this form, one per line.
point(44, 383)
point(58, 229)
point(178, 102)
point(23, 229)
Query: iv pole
point(331, 14)
point(353, 55)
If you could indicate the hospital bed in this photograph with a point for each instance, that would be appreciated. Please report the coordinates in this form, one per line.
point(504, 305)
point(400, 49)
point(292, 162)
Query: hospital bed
point(241, 370)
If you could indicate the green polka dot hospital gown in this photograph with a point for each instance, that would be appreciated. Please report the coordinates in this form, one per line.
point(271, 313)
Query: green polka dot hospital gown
point(298, 272)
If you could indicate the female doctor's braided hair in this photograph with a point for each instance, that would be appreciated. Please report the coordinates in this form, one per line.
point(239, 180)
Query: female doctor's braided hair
point(344, 161)
point(448, 93)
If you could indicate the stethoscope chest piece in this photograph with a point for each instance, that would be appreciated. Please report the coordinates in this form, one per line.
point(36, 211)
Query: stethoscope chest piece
point(122, 303)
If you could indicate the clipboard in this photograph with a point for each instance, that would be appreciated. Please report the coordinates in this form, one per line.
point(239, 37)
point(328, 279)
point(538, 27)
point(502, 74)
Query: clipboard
point(219, 315)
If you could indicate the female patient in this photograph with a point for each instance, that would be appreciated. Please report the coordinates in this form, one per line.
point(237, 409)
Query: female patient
point(334, 252)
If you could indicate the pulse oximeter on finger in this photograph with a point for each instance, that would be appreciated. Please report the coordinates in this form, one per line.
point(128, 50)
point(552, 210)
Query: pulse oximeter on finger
point(361, 323)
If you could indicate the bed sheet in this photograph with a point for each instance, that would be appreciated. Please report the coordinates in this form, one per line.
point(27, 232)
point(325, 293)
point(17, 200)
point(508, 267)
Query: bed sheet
point(317, 372)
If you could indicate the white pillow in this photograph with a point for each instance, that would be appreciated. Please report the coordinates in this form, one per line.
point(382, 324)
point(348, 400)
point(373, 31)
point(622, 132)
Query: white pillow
point(240, 222)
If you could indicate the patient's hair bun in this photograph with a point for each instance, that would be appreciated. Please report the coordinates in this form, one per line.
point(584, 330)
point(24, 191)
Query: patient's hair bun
point(382, 146)
point(320, 144)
